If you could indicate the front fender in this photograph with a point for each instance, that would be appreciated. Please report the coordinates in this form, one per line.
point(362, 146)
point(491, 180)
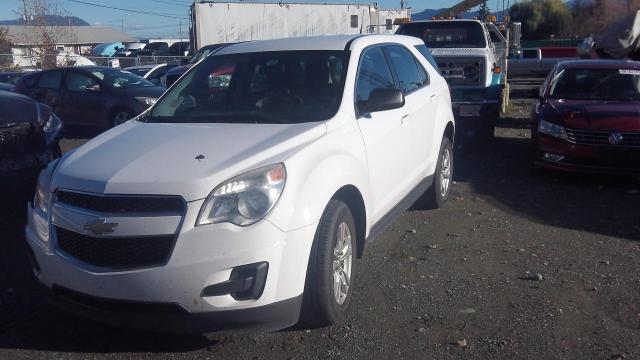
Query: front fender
point(313, 177)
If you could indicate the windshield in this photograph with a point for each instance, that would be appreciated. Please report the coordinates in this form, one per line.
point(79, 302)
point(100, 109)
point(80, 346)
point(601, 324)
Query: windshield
point(121, 79)
point(267, 87)
point(447, 34)
point(596, 84)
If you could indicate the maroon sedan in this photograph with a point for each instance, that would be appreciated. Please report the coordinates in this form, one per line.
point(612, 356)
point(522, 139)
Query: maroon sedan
point(588, 117)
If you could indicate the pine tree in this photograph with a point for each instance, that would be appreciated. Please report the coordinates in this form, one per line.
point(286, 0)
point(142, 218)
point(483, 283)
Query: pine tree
point(484, 11)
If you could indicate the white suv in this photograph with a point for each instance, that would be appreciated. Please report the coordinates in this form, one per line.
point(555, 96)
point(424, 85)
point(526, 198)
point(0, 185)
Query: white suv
point(243, 196)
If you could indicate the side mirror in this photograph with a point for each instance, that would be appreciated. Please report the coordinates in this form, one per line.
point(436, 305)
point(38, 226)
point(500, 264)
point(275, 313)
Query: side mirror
point(382, 99)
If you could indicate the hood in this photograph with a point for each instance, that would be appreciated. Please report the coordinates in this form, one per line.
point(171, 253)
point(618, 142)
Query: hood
point(151, 91)
point(144, 158)
point(595, 115)
point(462, 52)
point(17, 109)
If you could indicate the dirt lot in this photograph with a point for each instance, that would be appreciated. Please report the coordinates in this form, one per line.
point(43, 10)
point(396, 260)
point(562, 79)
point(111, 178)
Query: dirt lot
point(439, 284)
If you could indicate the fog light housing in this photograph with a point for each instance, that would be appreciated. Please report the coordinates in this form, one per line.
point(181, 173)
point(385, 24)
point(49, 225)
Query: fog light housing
point(246, 282)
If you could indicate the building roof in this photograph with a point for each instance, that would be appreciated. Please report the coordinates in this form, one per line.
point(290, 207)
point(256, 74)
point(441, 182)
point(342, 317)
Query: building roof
point(69, 35)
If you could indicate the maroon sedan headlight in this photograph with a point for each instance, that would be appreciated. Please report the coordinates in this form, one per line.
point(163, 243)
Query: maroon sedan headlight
point(551, 129)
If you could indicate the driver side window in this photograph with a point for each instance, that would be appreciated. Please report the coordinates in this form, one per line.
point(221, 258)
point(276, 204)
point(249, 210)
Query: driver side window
point(81, 83)
point(373, 73)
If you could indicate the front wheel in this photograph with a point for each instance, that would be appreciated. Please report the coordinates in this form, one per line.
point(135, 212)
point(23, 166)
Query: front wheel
point(329, 282)
point(438, 194)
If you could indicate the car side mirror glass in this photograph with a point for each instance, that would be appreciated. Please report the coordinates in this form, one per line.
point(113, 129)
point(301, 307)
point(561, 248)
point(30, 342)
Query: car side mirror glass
point(382, 99)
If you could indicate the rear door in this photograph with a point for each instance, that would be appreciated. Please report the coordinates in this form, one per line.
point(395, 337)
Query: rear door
point(421, 107)
point(85, 99)
point(383, 134)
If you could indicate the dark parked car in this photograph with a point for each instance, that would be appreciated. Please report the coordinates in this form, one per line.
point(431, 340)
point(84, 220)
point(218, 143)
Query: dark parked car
point(174, 74)
point(91, 95)
point(180, 48)
point(588, 117)
point(10, 77)
point(151, 72)
point(29, 134)
point(155, 49)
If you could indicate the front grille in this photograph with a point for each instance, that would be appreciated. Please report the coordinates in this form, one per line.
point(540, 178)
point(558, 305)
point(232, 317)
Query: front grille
point(122, 204)
point(599, 137)
point(462, 71)
point(116, 252)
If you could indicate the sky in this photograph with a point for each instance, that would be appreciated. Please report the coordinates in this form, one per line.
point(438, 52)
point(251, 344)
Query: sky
point(145, 26)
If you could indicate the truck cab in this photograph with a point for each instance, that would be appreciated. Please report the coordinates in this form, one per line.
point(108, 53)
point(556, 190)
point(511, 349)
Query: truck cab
point(470, 61)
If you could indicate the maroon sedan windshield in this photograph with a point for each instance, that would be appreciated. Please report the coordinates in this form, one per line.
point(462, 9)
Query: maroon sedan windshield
point(596, 84)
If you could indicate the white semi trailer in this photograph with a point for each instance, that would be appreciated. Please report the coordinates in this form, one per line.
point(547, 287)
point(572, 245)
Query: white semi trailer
point(227, 22)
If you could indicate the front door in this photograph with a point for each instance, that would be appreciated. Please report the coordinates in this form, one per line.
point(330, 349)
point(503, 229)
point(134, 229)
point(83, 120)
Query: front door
point(383, 133)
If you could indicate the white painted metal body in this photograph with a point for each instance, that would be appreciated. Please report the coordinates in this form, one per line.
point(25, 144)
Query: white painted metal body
point(383, 156)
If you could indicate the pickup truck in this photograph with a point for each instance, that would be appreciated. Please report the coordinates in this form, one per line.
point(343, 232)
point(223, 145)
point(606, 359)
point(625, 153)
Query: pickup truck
point(469, 54)
point(539, 61)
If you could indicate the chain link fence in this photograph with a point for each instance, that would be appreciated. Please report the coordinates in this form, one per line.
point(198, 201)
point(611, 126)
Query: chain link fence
point(15, 62)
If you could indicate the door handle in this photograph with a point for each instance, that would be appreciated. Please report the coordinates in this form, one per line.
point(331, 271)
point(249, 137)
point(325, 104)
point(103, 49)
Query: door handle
point(432, 97)
point(404, 119)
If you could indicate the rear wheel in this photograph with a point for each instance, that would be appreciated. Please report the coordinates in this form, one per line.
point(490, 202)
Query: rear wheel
point(329, 283)
point(438, 193)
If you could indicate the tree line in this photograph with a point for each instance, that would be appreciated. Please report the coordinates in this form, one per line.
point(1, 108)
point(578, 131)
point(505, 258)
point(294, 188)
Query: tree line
point(545, 19)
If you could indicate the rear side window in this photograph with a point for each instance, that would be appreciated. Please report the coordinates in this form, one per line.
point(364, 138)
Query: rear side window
point(374, 73)
point(410, 75)
point(530, 54)
point(50, 80)
point(427, 55)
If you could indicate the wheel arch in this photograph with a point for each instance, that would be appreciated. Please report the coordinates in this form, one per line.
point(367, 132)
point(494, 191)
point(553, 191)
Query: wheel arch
point(351, 196)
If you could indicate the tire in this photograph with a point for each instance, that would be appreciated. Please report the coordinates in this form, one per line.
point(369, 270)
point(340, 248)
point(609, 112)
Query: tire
point(438, 193)
point(120, 116)
point(488, 128)
point(321, 306)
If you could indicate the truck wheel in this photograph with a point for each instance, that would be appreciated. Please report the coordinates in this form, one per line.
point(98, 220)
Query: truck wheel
point(489, 125)
point(329, 282)
point(438, 193)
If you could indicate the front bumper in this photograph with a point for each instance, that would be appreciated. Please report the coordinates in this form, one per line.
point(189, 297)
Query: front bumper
point(476, 102)
point(26, 165)
point(569, 157)
point(202, 256)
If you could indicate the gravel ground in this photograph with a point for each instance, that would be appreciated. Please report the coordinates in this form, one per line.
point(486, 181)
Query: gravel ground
point(514, 267)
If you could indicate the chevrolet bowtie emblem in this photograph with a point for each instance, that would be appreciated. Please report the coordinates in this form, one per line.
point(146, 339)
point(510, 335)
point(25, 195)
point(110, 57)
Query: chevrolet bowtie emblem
point(99, 226)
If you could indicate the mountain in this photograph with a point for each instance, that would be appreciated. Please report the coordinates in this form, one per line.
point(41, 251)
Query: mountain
point(52, 20)
point(429, 13)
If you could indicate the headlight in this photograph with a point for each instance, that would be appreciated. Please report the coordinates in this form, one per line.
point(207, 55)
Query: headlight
point(551, 129)
point(147, 100)
point(52, 128)
point(244, 199)
point(41, 202)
